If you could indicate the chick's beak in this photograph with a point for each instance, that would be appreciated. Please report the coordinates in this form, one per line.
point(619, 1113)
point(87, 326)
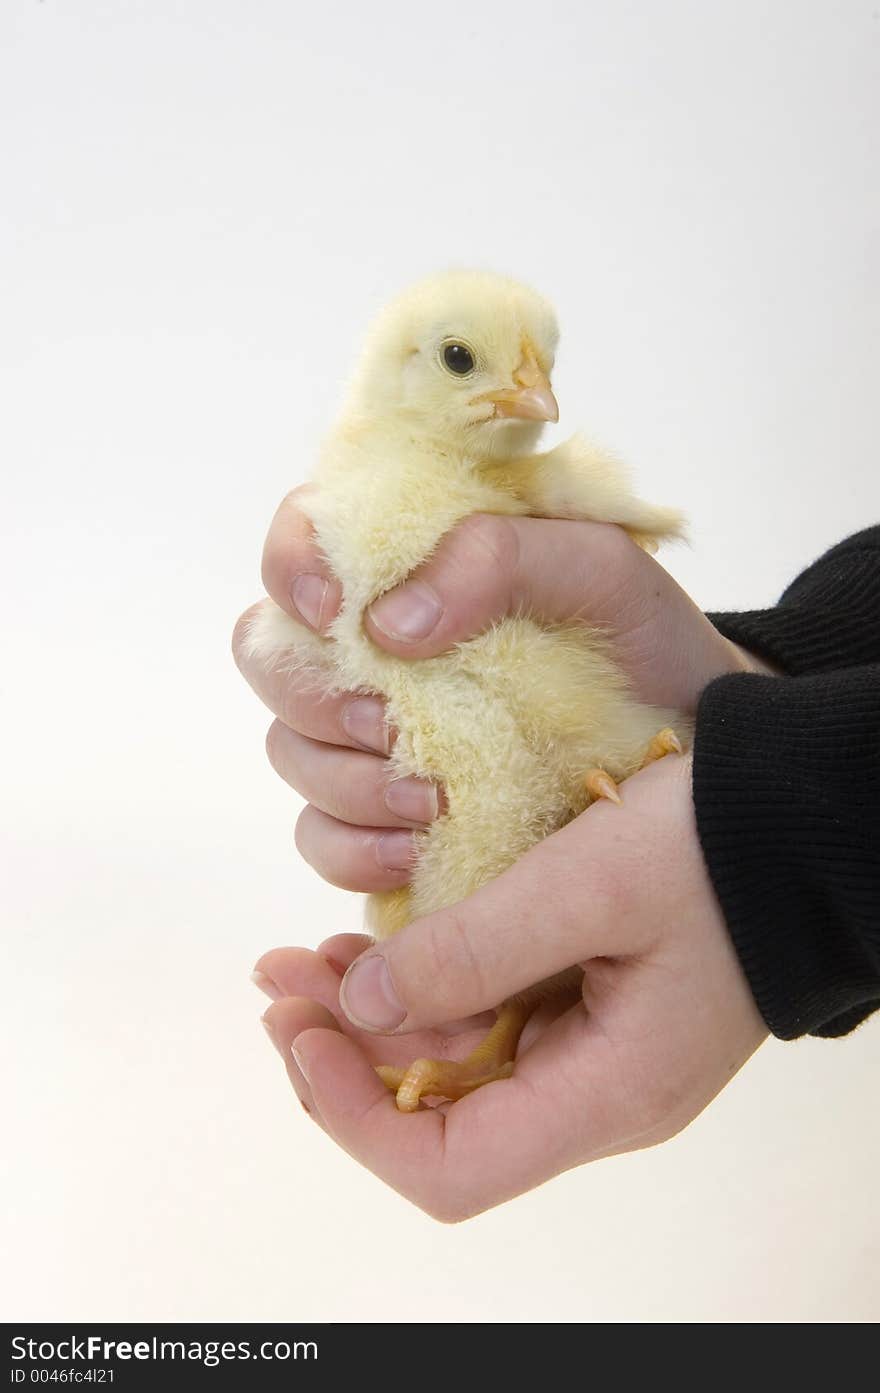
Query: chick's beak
point(531, 399)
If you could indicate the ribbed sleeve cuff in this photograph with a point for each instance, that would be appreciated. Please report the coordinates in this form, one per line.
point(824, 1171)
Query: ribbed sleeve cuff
point(828, 619)
point(786, 779)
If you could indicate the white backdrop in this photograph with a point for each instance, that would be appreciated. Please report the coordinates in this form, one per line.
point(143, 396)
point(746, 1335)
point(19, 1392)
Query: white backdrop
point(203, 203)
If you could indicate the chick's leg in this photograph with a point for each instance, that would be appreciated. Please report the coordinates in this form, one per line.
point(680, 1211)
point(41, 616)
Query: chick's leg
point(442, 1078)
point(599, 782)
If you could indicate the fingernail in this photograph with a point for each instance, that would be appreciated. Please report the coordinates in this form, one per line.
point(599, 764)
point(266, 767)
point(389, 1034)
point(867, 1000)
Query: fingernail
point(394, 851)
point(269, 1031)
point(314, 599)
point(265, 984)
point(413, 799)
point(364, 721)
point(408, 614)
point(299, 1061)
point(367, 996)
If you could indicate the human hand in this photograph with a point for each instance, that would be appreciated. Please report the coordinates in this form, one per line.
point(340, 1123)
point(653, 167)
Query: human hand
point(356, 829)
point(664, 1020)
point(657, 1044)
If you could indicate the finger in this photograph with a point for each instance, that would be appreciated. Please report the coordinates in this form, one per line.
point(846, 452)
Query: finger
point(284, 972)
point(576, 895)
point(295, 573)
point(557, 571)
point(283, 1022)
point(365, 859)
point(355, 787)
point(302, 703)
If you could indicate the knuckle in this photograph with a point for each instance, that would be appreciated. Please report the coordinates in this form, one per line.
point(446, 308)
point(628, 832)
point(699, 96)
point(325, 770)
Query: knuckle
point(305, 836)
point(610, 552)
point(272, 549)
point(618, 552)
point(491, 537)
point(337, 794)
point(331, 851)
point(626, 572)
point(274, 738)
point(290, 705)
point(274, 568)
point(290, 542)
point(450, 960)
point(300, 695)
point(293, 706)
point(294, 496)
point(240, 633)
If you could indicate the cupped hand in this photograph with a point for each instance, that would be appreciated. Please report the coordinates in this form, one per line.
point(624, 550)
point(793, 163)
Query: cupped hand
point(665, 1017)
point(664, 1020)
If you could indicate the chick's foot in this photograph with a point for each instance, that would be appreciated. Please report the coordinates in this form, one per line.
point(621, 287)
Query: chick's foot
point(665, 742)
point(599, 784)
point(442, 1078)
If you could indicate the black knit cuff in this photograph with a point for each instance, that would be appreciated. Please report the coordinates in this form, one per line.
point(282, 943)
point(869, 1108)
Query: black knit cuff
point(786, 772)
point(828, 619)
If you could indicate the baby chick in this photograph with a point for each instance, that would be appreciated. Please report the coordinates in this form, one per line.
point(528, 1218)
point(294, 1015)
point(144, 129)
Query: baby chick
point(526, 724)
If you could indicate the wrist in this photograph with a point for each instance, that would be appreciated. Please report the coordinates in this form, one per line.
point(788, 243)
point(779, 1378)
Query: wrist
point(746, 661)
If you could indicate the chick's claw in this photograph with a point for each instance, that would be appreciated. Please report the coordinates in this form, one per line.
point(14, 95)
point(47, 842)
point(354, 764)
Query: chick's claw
point(600, 784)
point(665, 742)
point(443, 1078)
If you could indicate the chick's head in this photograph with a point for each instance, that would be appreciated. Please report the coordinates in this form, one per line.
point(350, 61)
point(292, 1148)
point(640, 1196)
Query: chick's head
point(465, 356)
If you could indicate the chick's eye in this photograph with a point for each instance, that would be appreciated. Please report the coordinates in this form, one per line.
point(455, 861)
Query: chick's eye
point(458, 359)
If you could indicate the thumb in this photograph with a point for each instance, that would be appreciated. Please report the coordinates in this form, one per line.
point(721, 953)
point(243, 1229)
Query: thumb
point(552, 909)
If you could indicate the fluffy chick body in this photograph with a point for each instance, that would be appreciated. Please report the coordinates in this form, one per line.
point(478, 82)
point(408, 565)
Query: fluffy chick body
point(510, 721)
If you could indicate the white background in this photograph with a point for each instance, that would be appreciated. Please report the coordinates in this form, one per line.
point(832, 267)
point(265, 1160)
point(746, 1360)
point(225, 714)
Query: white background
point(203, 204)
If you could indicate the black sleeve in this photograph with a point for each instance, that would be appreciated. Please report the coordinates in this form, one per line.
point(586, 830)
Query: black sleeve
point(787, 795)
point(829, 618)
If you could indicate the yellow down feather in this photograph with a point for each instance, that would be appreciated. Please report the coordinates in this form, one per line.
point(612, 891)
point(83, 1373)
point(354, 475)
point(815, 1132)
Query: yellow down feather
point(510, 721)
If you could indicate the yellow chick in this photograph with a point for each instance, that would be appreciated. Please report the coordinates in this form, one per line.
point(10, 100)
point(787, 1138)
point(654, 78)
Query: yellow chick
point(526, 724)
